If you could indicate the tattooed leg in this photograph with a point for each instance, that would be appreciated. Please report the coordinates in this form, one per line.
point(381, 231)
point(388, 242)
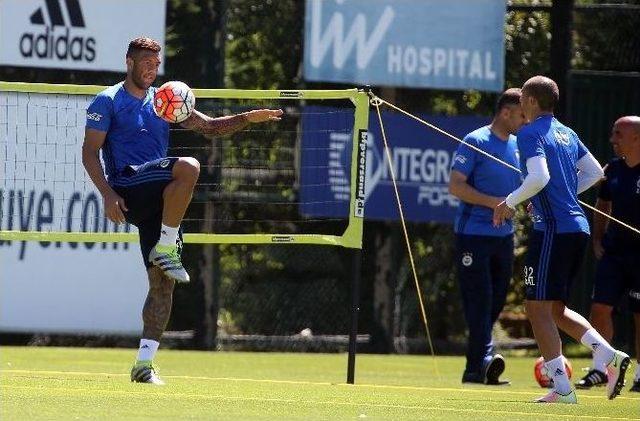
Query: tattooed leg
point(157, 307)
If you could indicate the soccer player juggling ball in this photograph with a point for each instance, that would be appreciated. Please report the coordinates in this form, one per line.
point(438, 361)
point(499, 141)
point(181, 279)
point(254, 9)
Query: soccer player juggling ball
point(145, 187)
point(557, 167)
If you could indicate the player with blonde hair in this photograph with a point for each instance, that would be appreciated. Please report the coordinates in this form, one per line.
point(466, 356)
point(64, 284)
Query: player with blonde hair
point(557, 167)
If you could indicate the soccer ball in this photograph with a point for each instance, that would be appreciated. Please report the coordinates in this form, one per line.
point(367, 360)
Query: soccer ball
point(541, 375)
point(174, 102)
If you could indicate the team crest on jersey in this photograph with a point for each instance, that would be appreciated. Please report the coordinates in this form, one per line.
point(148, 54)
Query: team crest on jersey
point(467, 259)
point(164, 163)
point(561, 137)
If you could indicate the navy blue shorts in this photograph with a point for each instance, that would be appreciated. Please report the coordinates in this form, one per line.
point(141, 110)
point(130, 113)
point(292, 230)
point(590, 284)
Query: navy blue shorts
point(553, 262)
point(617, 275)
point(141, 187)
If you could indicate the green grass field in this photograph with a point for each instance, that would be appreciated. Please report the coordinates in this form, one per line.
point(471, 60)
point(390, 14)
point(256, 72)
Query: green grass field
point(81, 383)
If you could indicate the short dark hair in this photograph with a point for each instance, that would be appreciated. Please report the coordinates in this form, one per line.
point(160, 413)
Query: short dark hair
point(141, 44)
point(509, 97)
point(544, 90)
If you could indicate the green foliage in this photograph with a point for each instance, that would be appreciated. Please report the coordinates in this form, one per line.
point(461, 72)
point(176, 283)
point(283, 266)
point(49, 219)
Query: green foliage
point(607, 41)
point(527, 46)
point(264, 44)
point(194, 39)
point(281, 290)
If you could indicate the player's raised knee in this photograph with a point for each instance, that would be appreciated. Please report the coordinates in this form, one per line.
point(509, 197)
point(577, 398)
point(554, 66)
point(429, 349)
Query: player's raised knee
point(188, 169)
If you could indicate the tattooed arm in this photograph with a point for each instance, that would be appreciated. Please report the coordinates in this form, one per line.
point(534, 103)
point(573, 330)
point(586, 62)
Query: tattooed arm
point(223, 126)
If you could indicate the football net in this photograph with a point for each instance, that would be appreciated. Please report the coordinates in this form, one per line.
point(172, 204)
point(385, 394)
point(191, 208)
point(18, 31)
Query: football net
point(296, 181)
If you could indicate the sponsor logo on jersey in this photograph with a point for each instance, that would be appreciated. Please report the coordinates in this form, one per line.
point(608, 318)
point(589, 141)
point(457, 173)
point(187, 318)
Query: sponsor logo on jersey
point(460, 158)
point(94, 116)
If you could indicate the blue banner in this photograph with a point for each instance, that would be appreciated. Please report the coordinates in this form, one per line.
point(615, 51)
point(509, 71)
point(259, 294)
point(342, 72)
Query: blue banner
point(421, 159)
point(443, 44)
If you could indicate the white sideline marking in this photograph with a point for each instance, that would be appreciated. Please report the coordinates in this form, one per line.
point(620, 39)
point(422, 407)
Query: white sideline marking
point(307, 402)
point(504, 390)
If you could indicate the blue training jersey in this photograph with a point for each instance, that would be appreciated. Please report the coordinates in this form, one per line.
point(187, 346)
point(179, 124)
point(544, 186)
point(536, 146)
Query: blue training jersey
point(487, 176)
point(556, 206)
point(621, 187)
point(135, 134)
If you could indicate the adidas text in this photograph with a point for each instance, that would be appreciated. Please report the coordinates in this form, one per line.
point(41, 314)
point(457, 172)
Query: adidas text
point(63, 47)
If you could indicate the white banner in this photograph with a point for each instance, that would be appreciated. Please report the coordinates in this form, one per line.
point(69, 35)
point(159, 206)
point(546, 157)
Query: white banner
point(439, 44)
point(76, 34)
point(60, 288)
point(55, 286)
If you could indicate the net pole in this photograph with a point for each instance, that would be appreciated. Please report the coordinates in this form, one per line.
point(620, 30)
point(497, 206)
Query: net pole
point(355, 311)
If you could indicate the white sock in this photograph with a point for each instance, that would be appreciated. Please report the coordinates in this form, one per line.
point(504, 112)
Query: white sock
point(637, 376)
point(147, 350)
point(556, 370)
point(602, 352)
point(168, 236)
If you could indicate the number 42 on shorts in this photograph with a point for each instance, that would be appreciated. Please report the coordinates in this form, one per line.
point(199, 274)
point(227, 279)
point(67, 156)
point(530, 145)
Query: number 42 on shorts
point(528, 276)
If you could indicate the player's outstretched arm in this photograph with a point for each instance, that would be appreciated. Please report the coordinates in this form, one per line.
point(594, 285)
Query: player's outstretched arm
point(224, 126)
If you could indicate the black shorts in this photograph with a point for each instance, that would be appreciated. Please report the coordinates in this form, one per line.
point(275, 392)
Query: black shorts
point(553, 261)
point(141, 187)
point(617, 275)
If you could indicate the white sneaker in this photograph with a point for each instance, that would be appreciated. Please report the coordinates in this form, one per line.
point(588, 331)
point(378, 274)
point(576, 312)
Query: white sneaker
point(616, 370)
point(554, 397)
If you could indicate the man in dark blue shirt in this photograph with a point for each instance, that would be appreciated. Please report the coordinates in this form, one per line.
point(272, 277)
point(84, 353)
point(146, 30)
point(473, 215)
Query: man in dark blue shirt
point(616, 247)
point(485, 252)
point(145, 187)
point(557, 167)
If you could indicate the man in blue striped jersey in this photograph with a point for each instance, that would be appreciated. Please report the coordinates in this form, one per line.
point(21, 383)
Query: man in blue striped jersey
point(557, 167)
point(485, 252)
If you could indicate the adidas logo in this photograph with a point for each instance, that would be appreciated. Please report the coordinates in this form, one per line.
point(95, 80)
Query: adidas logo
point(558, 372)
point(63, 44)
point(145, 346)
point(55, 14)
point(595, 346)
